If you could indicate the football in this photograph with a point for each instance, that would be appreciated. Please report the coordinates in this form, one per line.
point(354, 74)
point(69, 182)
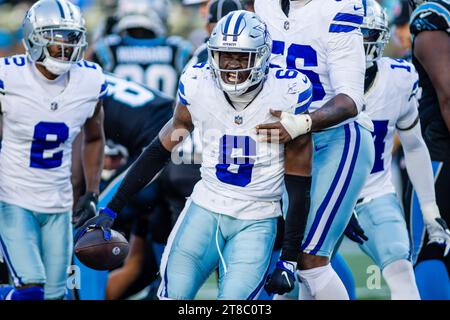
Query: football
point(97, 253)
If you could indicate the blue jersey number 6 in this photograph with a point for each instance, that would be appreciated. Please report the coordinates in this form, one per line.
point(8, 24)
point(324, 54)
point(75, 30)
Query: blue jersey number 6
point(47, 137)
point(309, 57)
point(239, 152)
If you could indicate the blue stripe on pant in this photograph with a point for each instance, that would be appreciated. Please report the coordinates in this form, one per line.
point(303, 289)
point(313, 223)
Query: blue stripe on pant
point(343, 158)
point(37, 247)
point(4, 253)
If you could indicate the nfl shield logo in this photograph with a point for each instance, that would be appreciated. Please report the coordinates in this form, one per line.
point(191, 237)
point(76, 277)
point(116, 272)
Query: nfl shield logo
point(53, 106)
point(238, 119)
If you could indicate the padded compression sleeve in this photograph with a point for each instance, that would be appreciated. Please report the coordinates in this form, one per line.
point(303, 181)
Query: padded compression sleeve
point(418, 163)
point(298, 192)
point(151, 161)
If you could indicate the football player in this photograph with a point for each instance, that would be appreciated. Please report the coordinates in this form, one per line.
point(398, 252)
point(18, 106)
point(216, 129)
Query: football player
point(391, 92)
point(430, 27)
point(323, 40)
point(140, 49)
point(133, 116)
point(234, 207)
point(46, 97)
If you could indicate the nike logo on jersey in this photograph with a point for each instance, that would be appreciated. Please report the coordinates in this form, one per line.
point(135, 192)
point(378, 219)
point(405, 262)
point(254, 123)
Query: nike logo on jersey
point(305, 79)
point(357, 8)
point(316, 148)
point(284, 274)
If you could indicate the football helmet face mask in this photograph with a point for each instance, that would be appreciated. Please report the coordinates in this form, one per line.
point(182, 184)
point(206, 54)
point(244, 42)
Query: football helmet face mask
point(54, 35)
point(375, 31)
point(238, 52)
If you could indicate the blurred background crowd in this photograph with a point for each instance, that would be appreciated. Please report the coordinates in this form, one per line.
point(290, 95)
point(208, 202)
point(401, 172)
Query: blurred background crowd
point(187, 18)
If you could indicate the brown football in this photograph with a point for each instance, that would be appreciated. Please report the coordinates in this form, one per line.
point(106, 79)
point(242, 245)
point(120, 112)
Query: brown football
point(97, 253)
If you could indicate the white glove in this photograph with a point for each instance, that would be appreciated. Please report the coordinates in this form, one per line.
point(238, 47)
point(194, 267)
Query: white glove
point(437, 229)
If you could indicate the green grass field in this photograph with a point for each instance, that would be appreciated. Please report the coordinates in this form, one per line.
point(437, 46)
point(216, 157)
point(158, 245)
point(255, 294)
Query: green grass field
point(369, 284)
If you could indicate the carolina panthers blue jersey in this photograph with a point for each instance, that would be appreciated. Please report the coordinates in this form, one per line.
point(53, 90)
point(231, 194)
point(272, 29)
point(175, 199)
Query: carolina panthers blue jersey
point(156, 63)
point(134, 114)
point(431, 16)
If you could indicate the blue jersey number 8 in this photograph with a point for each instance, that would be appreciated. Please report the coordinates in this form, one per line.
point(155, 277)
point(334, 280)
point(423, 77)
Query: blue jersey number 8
point(244, 149)
point(48, 136)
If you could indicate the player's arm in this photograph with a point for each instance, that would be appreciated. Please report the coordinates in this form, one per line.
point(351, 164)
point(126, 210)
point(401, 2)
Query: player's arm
point(346, 65)
point(297, 162)
point(282, 279)
point(93, 149)
point(432, 49)
point(87, 158)
point(420, 172)
point(146, 168)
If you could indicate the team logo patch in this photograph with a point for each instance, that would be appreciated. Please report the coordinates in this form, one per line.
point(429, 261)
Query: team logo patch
point(116, 251)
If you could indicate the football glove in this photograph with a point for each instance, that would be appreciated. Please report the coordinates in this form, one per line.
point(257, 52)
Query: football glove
point(354, 231)
point(104, 221)
point(85, 209)
point(282, 279)
point(439, 233)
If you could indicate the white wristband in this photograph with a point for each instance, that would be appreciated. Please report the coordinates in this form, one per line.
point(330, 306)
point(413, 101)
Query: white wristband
point(296, 125)
point(430, 211)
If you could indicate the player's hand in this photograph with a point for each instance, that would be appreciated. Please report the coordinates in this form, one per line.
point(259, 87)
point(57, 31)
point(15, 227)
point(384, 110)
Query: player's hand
point(288, 128)
point(439, 233)
point(104, 221)
point(85, 209)
point(354, 231)
point(282, 279)
point(273, 132)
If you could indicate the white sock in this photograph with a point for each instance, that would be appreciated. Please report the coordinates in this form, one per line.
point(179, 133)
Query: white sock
point(399, 276)
point(321, 283)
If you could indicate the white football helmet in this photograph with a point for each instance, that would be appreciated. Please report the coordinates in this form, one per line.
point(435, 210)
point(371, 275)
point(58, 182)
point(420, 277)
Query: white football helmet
point(375, 30)
point(240, 31)
point(54, 23)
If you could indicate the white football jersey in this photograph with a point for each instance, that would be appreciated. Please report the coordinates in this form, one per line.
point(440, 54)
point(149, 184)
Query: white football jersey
point(391, 103)
point(241, 176)
point(38, 131)
point(323, 40)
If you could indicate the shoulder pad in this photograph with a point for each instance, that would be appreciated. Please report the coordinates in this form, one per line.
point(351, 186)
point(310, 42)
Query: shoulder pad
point(296, 88)
point(347, 17)
point(430, 16)
point(190, 81)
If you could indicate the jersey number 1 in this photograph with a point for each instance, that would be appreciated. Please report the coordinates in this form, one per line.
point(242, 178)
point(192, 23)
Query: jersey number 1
point(47, 137)
point(379, 136)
